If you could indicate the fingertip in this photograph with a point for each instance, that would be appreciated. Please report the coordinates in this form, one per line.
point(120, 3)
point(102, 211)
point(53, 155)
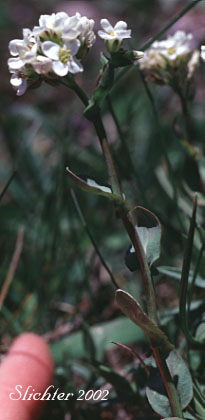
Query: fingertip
point(28, 363)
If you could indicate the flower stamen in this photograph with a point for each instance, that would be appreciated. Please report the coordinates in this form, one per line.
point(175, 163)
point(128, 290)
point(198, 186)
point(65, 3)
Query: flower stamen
point(64, 55)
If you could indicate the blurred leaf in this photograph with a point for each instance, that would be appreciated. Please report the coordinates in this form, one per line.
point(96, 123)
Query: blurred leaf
point(120, 329)
point(173, 418)
point(175, 273)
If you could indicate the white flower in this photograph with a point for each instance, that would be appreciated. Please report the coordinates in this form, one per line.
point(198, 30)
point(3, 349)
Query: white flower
point(54, 22)
point(171, 50)
point(119, 31)
point(63, 60)
point(23, 49)
point(203, 52)
point(177, 45)
point(52, 48)
point(81, 28)
point(42, 65)
point(19, 83)
point(171, 58)
point(87, 36)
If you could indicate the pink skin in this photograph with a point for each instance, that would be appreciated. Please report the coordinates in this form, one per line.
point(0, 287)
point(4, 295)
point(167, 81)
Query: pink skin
point(28, 362)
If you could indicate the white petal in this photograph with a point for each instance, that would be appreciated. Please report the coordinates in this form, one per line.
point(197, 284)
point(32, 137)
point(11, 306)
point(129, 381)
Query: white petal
point(121, 25)
point(51, 49)
point(27, 33)
point(60, 68)
point(19, 84)
point(15, 63)
point(14, 46)
point(73, 46)
point(106, 25)
point(22, 88)
point(123, 34)
point(15, 80)
point(72, 28)
point(47, 21)
point(37, 30)
point(74, 66)
point(30, 54)
point(42, 65)
point(104, 35)
point(60, 17)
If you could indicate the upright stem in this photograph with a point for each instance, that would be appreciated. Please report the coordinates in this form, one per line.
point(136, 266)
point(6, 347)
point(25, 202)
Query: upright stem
point(127, 220)
point(134, 237)
point(112, 174)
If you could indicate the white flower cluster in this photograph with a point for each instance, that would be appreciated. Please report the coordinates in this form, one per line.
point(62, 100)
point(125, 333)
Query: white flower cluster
point(55, 47)
point(170, 54)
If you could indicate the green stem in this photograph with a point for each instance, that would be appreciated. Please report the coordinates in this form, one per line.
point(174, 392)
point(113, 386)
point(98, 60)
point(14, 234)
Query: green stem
point(70, 83)
point(84, 223)
point(127, 221)
point(125, 148)
point(170, 24)
point(134, 237)
point(112, 174)
point(125, 217)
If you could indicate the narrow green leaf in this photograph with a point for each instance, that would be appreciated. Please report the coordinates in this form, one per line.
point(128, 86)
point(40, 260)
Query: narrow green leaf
point(175, 273)
point(133, 310)
point(91, 186)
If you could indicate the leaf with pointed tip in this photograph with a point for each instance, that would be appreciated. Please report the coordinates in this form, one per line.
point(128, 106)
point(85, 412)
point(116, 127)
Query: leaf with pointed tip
point(148, 228)
point(90, 185)
point(133, 310)
point(183, 381)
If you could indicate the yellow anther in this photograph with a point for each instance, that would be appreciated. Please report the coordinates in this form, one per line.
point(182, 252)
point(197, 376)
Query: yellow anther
point(64, 55)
